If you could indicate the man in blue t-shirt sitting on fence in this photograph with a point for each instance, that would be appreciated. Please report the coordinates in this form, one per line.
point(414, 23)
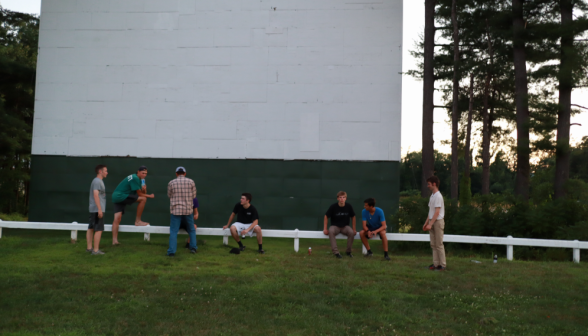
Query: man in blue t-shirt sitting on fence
point(374, 223)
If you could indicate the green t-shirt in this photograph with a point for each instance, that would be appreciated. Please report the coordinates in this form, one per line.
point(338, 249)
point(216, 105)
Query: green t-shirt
point(128, 186)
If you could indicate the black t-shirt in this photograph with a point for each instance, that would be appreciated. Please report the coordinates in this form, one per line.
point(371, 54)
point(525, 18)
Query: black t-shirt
point(340, 215)
point(245, 216)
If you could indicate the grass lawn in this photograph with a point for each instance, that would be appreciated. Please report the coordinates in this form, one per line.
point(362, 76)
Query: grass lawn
point(49, 286)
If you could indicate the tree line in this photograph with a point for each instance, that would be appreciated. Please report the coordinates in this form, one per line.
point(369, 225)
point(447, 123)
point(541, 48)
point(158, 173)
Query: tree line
point(19, 35)
point(508, 66)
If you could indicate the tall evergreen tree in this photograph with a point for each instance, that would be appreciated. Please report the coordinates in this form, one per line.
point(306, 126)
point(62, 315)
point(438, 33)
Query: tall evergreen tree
point(428, 160)
point(521, 99)
point(455, 108)
point(18, 58)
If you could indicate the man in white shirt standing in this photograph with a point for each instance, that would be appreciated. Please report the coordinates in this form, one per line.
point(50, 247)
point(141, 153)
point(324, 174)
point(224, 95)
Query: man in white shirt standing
point(435, 224)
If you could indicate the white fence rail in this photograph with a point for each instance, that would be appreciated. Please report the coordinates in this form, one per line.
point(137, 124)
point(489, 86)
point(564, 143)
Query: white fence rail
point(297, 234)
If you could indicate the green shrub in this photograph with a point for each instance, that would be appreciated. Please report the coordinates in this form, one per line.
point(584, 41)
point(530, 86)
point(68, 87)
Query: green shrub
point(13, 217)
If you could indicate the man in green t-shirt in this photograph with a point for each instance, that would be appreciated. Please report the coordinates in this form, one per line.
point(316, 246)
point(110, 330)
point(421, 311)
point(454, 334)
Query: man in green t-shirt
point(130, 190)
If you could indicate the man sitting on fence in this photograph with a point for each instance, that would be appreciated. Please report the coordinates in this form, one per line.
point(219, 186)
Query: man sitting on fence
point(181, 192)
point(435, 224)
point(374, 223)
point(130, 190)
point(340, 213)
point(247, 222)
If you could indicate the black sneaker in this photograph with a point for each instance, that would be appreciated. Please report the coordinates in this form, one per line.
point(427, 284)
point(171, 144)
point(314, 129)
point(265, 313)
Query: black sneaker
point(171, 255)
point(432, 267)
point(188, 245)
point(349, 254)
point(439, 268)
point(242, 248)
point(369, 254)
point(193, 251)
point(89, 250)
point(338, 255)
point(387, 257)
point(260, 251)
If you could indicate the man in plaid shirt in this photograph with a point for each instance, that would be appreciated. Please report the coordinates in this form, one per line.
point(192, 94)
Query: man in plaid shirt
point(181, 191)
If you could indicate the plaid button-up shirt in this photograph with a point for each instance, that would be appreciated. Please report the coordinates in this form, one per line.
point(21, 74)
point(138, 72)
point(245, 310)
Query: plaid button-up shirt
point(181, 192)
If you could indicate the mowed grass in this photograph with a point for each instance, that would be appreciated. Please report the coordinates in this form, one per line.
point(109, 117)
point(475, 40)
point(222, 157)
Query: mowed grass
point(50, 286)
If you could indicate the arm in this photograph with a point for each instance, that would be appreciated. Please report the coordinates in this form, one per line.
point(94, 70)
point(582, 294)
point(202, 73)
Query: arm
point(250, 226)
point(97, 201)
point(364, 224)
point(193, 190)
point(429, 223)
point(325, 222)
point(195, 213)
point(230, 220)
point(382, 228)
point(353, 223)
point(169, 190)
point(141, 193)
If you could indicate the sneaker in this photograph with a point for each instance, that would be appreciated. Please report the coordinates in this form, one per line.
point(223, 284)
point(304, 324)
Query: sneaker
point(432, 267)
point(242, 248)
point(349, 254)
point(188, 245)
point(260, 251)
point(89, 250)
point(338, 255)
point(97, 252)
point(387, 257)
point(370, 254)
point(439, 268)
point(193, 251)
point(171, 255)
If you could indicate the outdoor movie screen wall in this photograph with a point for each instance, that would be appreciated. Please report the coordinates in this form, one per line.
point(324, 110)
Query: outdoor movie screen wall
point(281, 80)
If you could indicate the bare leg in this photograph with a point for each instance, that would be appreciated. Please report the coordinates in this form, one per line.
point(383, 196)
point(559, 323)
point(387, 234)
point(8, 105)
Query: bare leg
point(364, 240)
point(89, 235)
point(115, 223)
point(97, 237)
point(140, 207)
point(384, 240)
point(188, 239)
point(235, 234)
point(257, 230)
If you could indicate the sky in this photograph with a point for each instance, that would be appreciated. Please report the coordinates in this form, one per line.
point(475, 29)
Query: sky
point(412, 100)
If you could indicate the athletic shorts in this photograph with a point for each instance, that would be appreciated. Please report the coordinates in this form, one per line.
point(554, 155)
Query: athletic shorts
point(374, 236)
point(240, 227)
point(120, 207)
point(95, 223)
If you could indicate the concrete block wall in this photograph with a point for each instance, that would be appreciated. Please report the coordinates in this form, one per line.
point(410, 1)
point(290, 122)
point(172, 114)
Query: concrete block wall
point(265, 79)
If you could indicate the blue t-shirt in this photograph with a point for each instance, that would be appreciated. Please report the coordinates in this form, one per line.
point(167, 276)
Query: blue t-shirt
point(374, 221)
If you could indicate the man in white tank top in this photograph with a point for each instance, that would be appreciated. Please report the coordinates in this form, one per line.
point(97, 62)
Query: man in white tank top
point(435, 224)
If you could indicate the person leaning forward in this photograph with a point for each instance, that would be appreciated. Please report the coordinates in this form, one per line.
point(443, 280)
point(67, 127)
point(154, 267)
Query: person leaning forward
point(130, 190)
point(181, 192)
point(247, 222)
point(340, 213)
point(374, 223)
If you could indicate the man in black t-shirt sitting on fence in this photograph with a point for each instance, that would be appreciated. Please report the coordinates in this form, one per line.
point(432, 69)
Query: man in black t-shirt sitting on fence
point(247, 222)
point(340, 213)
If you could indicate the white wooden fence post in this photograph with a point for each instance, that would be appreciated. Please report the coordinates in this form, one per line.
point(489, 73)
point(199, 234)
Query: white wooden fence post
point(74, 235)
point(147, 237)
point(296, 241)
point(509, 251)
point(226, 237)
point(576, 254)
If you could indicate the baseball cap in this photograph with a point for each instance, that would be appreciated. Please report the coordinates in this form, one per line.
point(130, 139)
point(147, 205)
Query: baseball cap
point(142, 168)
point(180, 169)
